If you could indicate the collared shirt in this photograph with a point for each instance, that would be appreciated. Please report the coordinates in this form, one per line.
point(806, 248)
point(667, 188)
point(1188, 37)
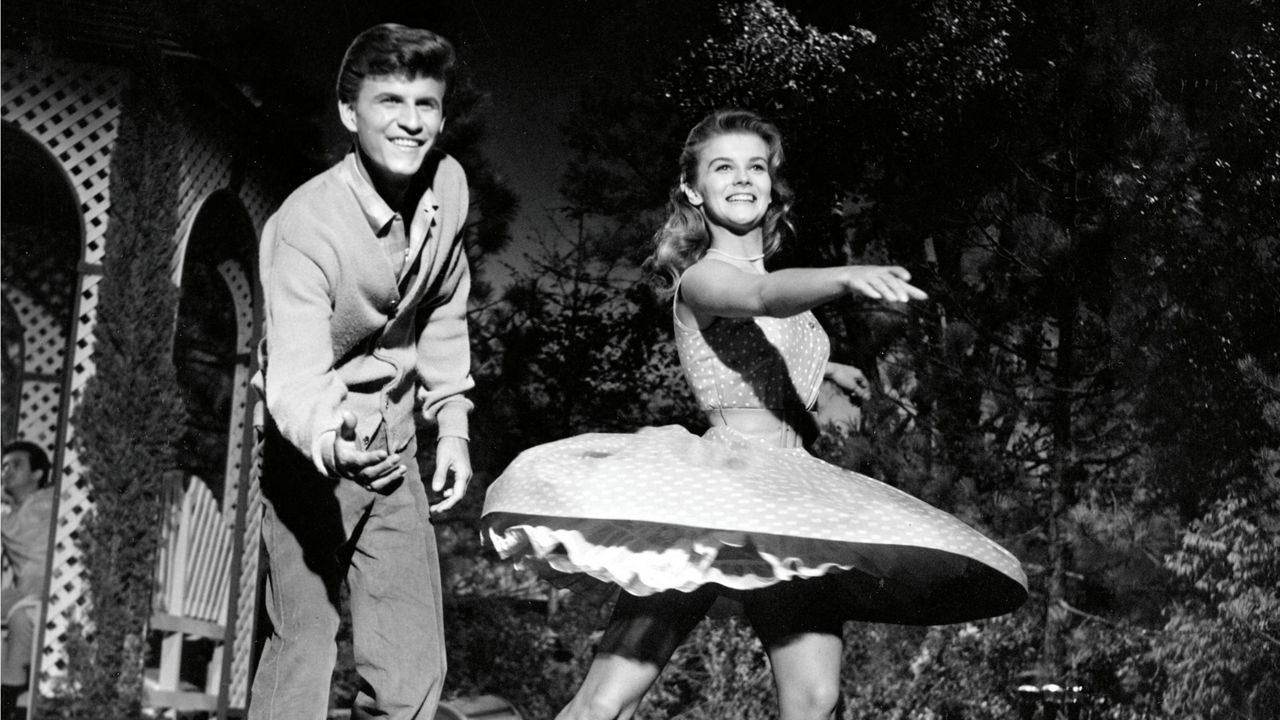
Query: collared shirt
point(388, 225)
point(26, 538)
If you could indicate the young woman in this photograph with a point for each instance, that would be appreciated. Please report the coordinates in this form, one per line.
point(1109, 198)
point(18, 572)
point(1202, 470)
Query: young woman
point(742, 512)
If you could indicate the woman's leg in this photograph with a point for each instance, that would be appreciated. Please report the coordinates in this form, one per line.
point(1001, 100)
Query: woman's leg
point(806, 670)
point(802, 635)
point(642, 634)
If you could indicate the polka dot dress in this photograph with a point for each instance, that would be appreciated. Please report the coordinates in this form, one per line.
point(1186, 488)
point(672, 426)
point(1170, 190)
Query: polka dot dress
point(664, 509)
point(754, 362)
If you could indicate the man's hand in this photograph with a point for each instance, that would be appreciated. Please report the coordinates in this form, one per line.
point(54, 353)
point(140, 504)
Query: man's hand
point(373, 470)
point(452, 457)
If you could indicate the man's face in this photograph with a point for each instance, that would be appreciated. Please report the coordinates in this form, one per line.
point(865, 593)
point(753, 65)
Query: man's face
point(16, 473)
point(396, 121)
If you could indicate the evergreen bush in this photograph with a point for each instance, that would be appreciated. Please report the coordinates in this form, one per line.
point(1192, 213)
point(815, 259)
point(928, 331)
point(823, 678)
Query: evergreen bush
point(129, 419)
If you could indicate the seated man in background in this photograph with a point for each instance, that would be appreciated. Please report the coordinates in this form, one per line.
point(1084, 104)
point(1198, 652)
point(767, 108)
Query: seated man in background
point(26, 475)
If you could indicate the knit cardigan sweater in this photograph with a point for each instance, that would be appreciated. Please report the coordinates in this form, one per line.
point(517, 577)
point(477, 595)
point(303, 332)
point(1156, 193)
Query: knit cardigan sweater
point(344, 333)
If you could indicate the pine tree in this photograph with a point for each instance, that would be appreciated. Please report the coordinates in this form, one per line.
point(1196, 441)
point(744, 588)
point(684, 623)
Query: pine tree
point(129, 420)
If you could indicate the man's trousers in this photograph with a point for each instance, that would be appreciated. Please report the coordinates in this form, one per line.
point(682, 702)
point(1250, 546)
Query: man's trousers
point(319, 533)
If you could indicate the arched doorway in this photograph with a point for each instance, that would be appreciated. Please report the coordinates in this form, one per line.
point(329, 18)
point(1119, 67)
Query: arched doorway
point(15, 350)
point(215, 319)
point(42, 233)
point(42, 237)
point(207, 578)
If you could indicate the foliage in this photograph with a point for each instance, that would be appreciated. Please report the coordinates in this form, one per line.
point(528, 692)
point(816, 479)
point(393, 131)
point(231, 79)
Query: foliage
point(761, 58)
point(764, 59)
point(956, 670)
point(719, 672)
point(1210, 296)
point(1052, 170)
point(613, 176)
point(518, 650)
point(1221, 647)
point(497, 644)
point(1089, 194)
point(131, 413)
point(493, 203)
point(891, 671)
point(576, 345)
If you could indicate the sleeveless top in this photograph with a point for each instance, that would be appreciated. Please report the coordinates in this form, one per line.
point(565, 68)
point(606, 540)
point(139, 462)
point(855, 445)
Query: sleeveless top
point(755, 362)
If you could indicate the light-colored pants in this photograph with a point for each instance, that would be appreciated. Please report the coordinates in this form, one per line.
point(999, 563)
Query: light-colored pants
point(21, 614)
point(318, 533)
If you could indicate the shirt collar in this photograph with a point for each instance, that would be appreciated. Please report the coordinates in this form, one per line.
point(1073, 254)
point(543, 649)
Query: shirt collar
point(376, 210)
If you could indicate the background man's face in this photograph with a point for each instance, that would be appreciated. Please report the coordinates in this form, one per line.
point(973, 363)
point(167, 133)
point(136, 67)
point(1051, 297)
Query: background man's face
point(16, 474)
point(396, 121)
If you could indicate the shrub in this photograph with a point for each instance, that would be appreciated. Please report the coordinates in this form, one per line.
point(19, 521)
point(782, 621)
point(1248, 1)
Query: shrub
point(128, 421)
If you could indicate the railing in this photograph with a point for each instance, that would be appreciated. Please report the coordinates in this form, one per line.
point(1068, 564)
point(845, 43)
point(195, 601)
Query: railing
point(192, 593)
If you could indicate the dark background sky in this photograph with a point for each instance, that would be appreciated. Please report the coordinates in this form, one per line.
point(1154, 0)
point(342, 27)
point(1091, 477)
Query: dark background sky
point(532, 60)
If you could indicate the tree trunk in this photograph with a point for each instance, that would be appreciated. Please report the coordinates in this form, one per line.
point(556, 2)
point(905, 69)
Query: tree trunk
point(1060, 490)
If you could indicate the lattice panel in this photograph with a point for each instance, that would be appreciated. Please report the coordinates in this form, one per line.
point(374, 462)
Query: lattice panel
point(206, 168)
point(241, 289)
point(247, 602)
point(45, 343)
point(242, 296)
point(46, 272)
point(258, 202)
point(38, 417)
point(44, 334)
point(68, 599)
point(73, 109)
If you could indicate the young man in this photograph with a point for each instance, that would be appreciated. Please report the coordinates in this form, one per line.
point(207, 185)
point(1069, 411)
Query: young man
point(365, 282)
point(27, 487)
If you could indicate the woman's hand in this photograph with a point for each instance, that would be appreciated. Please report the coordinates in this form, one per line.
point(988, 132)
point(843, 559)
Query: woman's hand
point(848, 378)
point(712, 289)
point(882, 282)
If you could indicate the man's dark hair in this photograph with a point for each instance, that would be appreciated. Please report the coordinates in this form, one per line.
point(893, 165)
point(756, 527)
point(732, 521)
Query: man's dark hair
point(36, 458)
point(392, 50)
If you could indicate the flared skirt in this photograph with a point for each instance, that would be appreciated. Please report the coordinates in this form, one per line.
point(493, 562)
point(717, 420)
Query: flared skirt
point(664, 509)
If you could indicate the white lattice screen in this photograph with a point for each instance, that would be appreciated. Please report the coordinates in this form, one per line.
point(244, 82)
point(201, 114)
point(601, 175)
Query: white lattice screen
point(258, 201)
point(241, 287)
point(45, 345)
point(208, 156)
point(73, 109)
point(242, 295)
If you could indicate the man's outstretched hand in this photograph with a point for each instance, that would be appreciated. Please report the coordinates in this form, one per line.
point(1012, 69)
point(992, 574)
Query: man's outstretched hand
point(373, 470)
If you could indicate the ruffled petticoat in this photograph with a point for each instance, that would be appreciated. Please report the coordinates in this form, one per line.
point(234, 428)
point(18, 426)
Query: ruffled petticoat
point(664, 509)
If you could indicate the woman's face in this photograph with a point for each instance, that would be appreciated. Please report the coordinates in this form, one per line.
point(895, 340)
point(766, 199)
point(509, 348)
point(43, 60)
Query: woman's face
point(733, 185)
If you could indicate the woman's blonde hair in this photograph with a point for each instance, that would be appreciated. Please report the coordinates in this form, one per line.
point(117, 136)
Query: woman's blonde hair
point(683, 239)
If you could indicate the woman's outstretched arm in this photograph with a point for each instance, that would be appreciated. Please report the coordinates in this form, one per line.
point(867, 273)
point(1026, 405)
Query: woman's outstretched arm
point(716, 289)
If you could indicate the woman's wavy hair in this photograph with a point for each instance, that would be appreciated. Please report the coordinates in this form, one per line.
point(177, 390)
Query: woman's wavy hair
point(683, 239)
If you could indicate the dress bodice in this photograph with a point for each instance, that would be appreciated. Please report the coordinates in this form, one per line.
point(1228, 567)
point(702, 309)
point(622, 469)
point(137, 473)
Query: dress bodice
point(757, 362)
